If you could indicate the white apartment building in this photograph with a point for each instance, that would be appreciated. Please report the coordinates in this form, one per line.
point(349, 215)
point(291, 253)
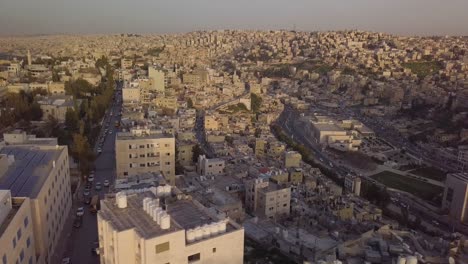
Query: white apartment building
point(143, 150)
point(131, 93)
point(16, 230)
point(158, 76)
point(40, 173)
point(210, 167)
point(273, 200)
point(148, 226)
point(456, 196)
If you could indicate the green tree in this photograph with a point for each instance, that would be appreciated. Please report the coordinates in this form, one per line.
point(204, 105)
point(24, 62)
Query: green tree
point(190, 103)
point(71, 120)
point(81, 151)
point(256, 102)
point(36, 112)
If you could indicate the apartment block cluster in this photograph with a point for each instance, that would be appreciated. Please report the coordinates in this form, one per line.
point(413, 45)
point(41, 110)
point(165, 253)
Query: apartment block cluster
point(195, 157)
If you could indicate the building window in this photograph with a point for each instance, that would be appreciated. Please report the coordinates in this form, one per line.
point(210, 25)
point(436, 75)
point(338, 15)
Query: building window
point(449, 194)
point(14, 242)
point(214, 250)
point(22, 255)
point(194, 257)
point(284, 205)
point(168, 163)
point(28, 242)
point(30, 260)
point(4, 259)
point(166, 145)
point(142, 146)
point(18, 234)
point(162, 247)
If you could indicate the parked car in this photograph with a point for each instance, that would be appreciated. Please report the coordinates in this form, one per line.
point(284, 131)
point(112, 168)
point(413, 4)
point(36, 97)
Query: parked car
point(86, 192)
point(80, 211)
point(90, 178)
point(66, 261)
point(106, 183)
point(95, 249)
point(98, 187)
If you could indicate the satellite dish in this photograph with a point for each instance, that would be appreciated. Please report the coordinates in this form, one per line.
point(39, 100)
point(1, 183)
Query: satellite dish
point(451, 260)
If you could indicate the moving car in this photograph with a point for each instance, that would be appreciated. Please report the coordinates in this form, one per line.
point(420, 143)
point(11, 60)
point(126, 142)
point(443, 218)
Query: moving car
point(106, 183)
point(66, 261)
point(87, 200)
point(98, 187)
point(91, 178)
point(80, 211)
point(86, 192)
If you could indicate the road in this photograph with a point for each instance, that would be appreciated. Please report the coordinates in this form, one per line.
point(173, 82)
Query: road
point(82, 239)
point(200, 125)
point(288, 122)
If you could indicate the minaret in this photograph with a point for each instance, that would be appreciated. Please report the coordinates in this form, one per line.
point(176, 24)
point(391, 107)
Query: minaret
point(29, 58)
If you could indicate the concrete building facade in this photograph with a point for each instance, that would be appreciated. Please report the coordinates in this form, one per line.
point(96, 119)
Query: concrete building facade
point(210, 167)
point(273, 201)
point(139, 228)
point(17, 243)
point(140, 151)
point(456, 196)
point(41, 173)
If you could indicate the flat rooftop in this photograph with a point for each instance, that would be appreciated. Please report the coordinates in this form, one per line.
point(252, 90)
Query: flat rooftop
point(185, 214)
point(327, 127)
point(130, 136)
point(459, 176)
point(32, 166)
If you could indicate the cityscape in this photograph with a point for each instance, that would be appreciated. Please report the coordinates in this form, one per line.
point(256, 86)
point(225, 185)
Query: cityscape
point(234, 146)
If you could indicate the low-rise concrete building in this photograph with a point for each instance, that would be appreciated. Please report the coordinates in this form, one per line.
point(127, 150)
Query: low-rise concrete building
point(152, 227)
point(210, 167)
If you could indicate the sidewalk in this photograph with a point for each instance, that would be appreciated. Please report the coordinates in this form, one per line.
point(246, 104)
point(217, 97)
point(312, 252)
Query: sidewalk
point(63, 247)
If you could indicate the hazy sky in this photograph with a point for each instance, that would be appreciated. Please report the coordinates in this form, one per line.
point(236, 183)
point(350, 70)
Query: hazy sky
point(422, 17)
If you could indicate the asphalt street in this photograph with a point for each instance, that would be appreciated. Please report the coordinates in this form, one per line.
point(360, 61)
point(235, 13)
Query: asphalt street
point(82, 239)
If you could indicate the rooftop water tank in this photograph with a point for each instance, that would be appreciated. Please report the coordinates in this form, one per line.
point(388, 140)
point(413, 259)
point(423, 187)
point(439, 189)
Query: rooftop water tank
point(206, 231)
point(159, 217)
point(190, 234)
point(121, 199)
point(198, 233)
point(145, 203)
point(401, 260)
point(411, 260)
point(165, 221)
point(214, 229)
